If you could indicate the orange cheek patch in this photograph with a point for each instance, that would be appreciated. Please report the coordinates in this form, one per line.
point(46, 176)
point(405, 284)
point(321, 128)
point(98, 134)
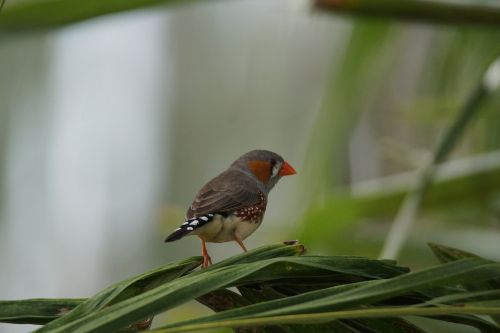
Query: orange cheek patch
point(261, 169)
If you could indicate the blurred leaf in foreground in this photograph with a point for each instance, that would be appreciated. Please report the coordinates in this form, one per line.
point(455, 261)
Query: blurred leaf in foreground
point(283, 292)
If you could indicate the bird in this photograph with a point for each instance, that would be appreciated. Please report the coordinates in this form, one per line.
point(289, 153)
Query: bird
point(231, 206)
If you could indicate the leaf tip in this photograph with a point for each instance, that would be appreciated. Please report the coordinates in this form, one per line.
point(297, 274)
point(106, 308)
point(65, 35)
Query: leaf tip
point(301, 249)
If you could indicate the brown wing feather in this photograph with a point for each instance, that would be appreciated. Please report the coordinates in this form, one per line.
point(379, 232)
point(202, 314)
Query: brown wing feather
point(229, 191)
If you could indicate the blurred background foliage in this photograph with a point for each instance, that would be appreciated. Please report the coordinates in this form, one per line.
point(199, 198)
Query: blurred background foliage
point(108, 127)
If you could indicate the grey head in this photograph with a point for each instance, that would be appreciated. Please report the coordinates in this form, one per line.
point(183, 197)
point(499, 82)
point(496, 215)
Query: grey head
point(265, 166)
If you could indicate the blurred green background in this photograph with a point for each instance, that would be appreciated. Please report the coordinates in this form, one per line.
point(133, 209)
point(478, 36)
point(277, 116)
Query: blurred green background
point(108, 127)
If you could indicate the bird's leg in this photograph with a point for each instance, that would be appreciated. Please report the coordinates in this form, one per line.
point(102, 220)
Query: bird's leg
point(206, 258)
point(240, 242)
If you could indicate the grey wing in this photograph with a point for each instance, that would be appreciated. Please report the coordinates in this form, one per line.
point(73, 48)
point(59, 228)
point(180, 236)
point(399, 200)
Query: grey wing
point(229, 191)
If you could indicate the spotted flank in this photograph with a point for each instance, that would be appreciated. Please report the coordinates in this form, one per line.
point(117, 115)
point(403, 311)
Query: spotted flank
point(253, 213)
point(188, 226)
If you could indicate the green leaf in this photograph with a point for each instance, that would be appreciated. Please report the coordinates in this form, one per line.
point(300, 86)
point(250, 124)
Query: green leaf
point(261, 293)
point(386, 325)
point(263, 307)
point(35, 14)
point(42, 311)
point(473, 321)
point(291, 294)
point(221, 300)
point(348, 296)
point(168, 295)
point(464, 297)
point(285, 249)
point(330, 316)
point(447, 254)
point(258, 293)
point(132, 287)
point(438, 11)
point(126, 289)
point(35, 311)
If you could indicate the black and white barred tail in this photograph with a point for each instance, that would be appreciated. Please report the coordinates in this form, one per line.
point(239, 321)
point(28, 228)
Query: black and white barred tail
point(188, 226)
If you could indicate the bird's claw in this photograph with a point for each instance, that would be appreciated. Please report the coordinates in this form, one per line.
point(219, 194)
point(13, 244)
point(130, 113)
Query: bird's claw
point(207, 261)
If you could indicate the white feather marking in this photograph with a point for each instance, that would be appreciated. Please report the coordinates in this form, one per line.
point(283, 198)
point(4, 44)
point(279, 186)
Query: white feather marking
point(189, 228)
point(276, 169)
point(204, 218)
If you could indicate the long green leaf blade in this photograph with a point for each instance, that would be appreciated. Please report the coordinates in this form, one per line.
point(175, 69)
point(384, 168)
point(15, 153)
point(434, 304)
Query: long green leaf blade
point(438, 11)
point(334, 315)
point(169, 295)
point(366, 293)
point(35, 311)
point(33, 15)
point(126, 289)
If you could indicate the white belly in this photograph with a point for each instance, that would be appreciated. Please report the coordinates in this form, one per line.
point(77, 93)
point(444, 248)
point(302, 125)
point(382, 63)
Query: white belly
point(222, 229)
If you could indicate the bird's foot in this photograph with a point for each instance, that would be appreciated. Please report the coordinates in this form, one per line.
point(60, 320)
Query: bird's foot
point(207, 261)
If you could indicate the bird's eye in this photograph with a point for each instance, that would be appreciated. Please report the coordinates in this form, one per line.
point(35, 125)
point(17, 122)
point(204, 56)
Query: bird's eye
point(273, 162)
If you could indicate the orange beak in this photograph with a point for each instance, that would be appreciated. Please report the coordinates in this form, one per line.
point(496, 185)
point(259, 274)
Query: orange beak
point(287, 170)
